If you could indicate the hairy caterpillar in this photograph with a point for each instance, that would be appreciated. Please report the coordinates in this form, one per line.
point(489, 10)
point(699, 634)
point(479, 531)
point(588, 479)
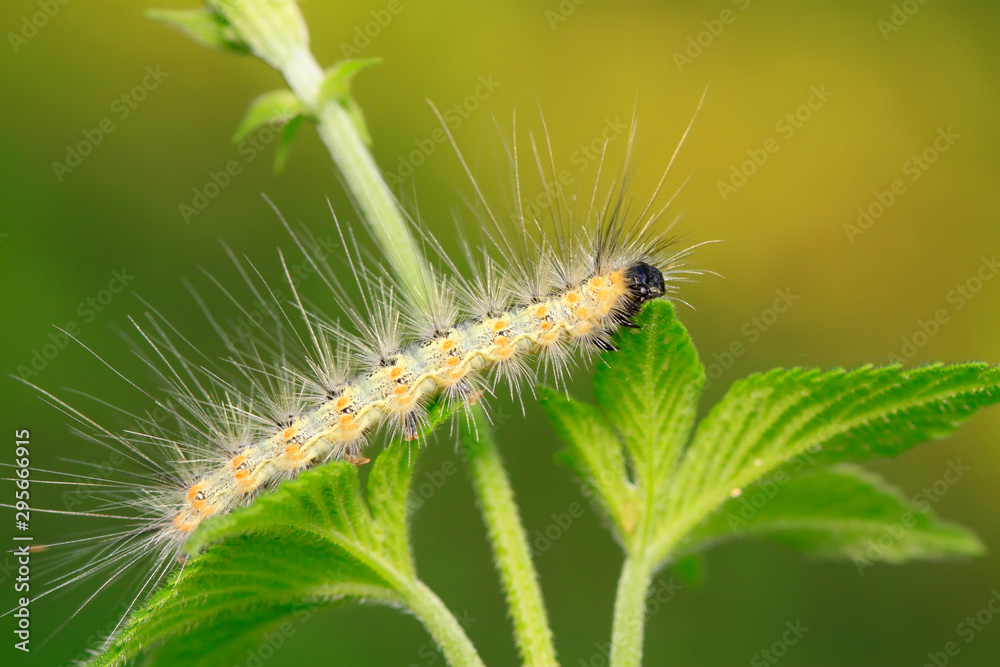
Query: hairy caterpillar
point(310, 391)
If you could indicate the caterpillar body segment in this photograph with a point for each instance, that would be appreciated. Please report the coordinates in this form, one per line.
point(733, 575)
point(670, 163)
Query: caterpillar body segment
point(398, 389)
point(550, 283)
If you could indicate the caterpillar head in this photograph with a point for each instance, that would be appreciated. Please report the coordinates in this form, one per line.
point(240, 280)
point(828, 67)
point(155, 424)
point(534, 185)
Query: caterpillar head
point(644, 283)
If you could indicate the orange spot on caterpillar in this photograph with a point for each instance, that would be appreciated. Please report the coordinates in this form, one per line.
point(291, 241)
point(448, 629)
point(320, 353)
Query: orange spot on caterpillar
point(546, 326)
point(447, 344)
point(246, 483)
point(502, 341)
point(346, 421)
point(395, 373)
point(453, 361)
point(290, 433)
point(499, 325)
point(582, 312)
point(572, 298)
point(541, 311)
point(341, 403)
point(400, 390)
point(196, 496)
point(181, 523)
point(292, 456)
point(240, 468)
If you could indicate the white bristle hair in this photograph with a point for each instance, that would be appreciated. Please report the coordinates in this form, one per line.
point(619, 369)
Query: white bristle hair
point(521, 293)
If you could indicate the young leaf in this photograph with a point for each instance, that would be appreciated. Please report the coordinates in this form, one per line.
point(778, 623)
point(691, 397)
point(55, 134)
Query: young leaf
point(336, 87)
point(277, 108)
point(203, 26)
point(285, 143)
point(839, 512)
point(313, 541)
point(649, 390)
point(595, 455)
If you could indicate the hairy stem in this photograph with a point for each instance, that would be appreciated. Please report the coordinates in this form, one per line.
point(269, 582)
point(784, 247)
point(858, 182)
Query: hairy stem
point(385, 221)
point(275, 31)
point(442, 625)
point(509, 543)
point(630, 612)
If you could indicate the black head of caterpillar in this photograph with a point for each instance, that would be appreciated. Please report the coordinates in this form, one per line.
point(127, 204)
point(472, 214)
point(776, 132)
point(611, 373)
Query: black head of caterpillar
point(644, 283)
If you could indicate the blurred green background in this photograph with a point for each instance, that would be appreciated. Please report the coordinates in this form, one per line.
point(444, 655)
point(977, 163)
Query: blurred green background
point(860, 293)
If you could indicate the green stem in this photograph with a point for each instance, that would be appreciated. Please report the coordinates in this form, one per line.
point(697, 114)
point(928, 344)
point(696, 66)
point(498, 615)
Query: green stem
point(443, 626)
point(509, 543)
point(630, 612)
point(338, 130)
point(275, 32)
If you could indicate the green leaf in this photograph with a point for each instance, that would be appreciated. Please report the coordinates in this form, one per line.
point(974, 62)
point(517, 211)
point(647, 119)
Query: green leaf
point(840, 512)
point(647, 391)
point(206, 27)
point(336, 87)
point(783, 419)
point(312, 542)
point(774, 418)
point(277, 108)
point(595, 455)
point(778, 423)
point(285, 143)
point(224, 599)
point(690, 569)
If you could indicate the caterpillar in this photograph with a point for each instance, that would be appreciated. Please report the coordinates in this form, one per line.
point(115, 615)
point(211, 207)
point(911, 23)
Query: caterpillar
point(553, 283)
point(398, 387)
